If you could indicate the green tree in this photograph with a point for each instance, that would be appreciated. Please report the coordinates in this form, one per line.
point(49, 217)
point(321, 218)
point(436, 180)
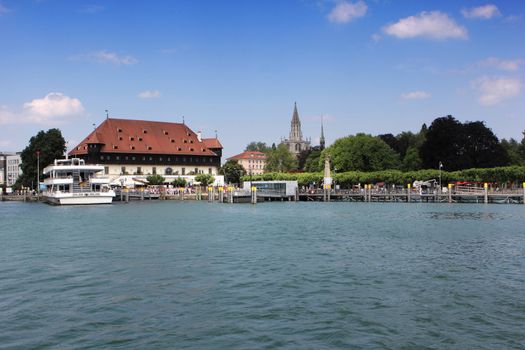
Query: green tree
point(257, 146)
point(232, 172)
point(280, 160)
point(412, 160)
point(312, 161)
point(522, 147)
point(512, 147)
point(179, 182)
point(461, 146)
point(155, 179)
point(51, 145)
point(204, 179)
point(361, 152)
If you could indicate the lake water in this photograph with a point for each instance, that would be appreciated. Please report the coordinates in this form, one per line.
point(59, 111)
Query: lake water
point(195, 275)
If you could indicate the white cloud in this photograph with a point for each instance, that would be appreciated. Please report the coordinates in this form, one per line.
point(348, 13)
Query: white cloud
point(54, 107)
point(416, 95)
point(433, 25)
point(149, 94)
point(496, 89)
point(344, 11)
point(91, 9)
point(481, 12)
point(506, 65)
point(6, 116)
point(376, 37)
point(105, 56)
point(3, 9)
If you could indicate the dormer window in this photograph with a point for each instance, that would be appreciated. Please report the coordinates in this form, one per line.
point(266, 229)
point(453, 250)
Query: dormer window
point(132, 147)
point(191, 149)
point(165, 132)
point(120, 138)
point(115, 147)
point(119, 130)
point(140, 138)
point(179, 149)
point(191, 141)
point(148, 148)
point(131, 138)
point(185, 141)
point(144, 131)
point(172, 140)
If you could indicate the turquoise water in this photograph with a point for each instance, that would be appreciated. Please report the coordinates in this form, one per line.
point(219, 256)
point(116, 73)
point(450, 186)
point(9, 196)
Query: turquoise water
point(195, 275)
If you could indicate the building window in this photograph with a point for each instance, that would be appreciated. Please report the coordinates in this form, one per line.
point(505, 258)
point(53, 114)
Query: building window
point(101, 157)
point(150, 158)
point(117, 157)
point(165, 132)
point(183, 171)
point(169, 171)
point(196, 171)
point(133, 158)
point(106, 170)
point(211, 160)
point(143, 158)
point(108, 157)
point(120, 138)
point(140, 138)
point(172, 141)
point(209, 171)
point(145, 131)
point(119, 130)
point(126, 157)
point(154, 170)
point(131, 138)
point(139, 170)
point(123, 170)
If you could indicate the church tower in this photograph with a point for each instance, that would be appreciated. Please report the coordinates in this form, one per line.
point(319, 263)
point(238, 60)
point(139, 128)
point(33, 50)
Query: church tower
point(321, 139)
point(296, 144)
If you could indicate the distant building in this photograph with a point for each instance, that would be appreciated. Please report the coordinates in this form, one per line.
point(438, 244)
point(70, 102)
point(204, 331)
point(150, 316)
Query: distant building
point(295, 142)
point(12, 169)
point(252, 162)
point(3, 170)
point(321, 139)
point(140, 147)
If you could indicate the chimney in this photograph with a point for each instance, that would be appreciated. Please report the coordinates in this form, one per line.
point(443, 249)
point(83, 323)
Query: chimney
point(199, 136)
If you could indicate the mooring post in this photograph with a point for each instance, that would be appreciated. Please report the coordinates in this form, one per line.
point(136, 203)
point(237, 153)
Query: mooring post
point(231, 193)
point(365, 197)
point(409, 186)
point(221, 194)
point(296, 194)
point(486, 192)
point(141, 193)
point(370, 193)
point(127, 195)
point(181, 193)
point(254, 195)
point(450, 192)
point(524, 193)
point(210, 194)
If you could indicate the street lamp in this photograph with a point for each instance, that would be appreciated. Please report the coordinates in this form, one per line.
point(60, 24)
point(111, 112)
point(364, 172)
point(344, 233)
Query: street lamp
point(440, 167)
point(38, 172)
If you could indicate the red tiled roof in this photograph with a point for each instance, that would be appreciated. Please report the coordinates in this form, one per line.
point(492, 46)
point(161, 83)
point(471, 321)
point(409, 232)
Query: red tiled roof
point(143, 136)
point(212, 143)
point(249, 155)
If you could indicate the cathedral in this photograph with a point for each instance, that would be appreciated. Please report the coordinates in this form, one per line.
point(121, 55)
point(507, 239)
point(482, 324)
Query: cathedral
point(295, 143)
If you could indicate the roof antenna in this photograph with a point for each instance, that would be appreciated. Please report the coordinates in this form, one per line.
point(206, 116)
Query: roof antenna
point(107, 114)
point(94, 126)
point(183, 121)
point(215, 133)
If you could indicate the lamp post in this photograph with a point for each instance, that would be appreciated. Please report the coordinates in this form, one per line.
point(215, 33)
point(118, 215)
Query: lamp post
point(440, 167)
point(38, 173)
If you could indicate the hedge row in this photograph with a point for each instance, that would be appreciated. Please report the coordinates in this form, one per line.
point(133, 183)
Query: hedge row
point(514, 174)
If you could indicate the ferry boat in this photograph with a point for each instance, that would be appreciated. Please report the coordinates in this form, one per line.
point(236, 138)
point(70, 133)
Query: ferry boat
point(72, 182)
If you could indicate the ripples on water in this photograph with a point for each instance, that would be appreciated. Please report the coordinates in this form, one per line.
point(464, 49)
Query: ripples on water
point(279, 275)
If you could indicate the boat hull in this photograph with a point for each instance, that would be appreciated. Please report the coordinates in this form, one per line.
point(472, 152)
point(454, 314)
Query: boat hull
point(80, 198)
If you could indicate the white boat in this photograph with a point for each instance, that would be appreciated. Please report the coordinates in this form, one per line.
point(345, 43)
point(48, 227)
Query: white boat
point(72, 182)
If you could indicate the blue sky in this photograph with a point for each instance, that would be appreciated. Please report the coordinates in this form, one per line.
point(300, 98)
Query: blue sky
point(238, 66)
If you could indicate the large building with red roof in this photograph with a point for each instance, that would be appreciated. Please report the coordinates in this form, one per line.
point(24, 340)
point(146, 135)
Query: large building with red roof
point(252, 162)
point(141, 147)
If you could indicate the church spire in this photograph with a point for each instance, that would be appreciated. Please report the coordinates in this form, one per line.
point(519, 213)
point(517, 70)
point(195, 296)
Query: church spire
point(295, 130)
point(321, 139)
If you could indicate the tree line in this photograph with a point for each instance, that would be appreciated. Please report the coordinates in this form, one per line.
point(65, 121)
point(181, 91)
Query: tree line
point(447, 141)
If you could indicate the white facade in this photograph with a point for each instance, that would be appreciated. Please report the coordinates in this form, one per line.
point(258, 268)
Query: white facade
point(143, 169)
point(13, 163)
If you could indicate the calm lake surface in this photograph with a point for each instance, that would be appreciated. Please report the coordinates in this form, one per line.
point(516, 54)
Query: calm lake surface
point(195, 275)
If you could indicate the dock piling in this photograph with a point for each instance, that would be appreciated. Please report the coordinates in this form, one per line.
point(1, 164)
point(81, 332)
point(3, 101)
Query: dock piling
point(486, 192)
